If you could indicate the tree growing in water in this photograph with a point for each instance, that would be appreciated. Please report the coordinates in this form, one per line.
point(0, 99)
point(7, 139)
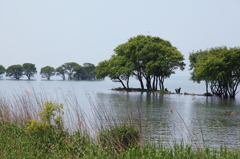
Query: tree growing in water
point(2, 70)
point(60, 72)
point(47, 72)
point(69, 69)
point(220, 66)
point(14, 71)
point(147, 58)
point(29, 70)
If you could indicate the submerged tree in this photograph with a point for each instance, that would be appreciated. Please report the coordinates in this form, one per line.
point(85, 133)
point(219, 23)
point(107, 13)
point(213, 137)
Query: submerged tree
point(147, 58)
point(193, 57)
point(60, 72)
point(221, 68)
point(89, 70)
point(14, 71)
point(47, 72)
point(79, 72)
point(29, 70)
point(69, 69)
point(2, 70)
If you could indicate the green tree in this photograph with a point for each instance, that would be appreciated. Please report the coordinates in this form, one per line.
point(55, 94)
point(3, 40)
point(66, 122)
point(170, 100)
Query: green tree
point(60, 72)
point(102, 69)
point(193, 57)
point(120, 70)
point(2, 70)
point(69, 70)
point(89, 69)
point(151, 59)
point(79, 72)
point(116, 68)
point(29, 70)
point(47, 72)
point(14, 71)
point(220, 67)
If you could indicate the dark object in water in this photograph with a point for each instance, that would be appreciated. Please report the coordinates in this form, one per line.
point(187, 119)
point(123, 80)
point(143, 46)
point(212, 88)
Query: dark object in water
point(178, 90)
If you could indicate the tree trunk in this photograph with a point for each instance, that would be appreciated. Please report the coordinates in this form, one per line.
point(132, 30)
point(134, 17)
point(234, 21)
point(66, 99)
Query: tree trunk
point(128, 82)
point(122, 83)
point(206, 83)
point(153, 83)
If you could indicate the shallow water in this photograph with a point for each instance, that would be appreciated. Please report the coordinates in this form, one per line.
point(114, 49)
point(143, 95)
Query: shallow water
point(195, 119)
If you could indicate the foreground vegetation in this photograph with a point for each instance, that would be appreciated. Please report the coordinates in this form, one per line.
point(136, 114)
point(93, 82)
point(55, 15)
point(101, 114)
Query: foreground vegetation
point(16, 142)
point(32, 126)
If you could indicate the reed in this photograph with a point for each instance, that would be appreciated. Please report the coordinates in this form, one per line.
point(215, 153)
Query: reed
point(34, 126)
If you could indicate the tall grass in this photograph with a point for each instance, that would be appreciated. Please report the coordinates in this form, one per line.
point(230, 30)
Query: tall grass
point(33, 126)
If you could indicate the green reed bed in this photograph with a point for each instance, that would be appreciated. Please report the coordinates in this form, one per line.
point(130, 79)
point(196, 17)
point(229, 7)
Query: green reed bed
point(33, 128)
point(18, 143)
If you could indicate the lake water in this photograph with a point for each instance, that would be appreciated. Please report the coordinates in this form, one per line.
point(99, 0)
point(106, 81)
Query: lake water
point(202, 120)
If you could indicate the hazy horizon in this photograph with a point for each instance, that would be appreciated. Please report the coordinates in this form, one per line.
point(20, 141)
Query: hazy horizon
point(57, 31)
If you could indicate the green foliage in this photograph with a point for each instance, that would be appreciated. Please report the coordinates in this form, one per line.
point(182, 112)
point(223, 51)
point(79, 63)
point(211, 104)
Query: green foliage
point(147, 58)
point(15, 71)
point(120, 137)
point(76, 71)
point(117, 69)
point(69, 69)
point(102, 69)
point(52, 119)
point(50, 130)
point(16, 142)
point(29, 70)
point(79, 72)
point(60, 72)
point(163, 91)
point(2, 70)
point(89, 70)
point(219, 67)
point(47, 72)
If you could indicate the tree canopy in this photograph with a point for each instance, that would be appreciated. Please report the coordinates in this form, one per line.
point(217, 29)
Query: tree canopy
point(75, 71)
point(47, 72)
point(15, 71)
point(69, 69)
point(2, 70)
point(149, 59)
point(29, 70)
point(72, 69)
point(89, 71)
point(220, 66)
point(60, 72)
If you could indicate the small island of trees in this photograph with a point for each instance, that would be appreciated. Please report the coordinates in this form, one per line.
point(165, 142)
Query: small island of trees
point(146, 58)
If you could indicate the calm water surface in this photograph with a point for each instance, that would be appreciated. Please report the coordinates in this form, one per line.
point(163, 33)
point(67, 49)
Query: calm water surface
point(195, 119)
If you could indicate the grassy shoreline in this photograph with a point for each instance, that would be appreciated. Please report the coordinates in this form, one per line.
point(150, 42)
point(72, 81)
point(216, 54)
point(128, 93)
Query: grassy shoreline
point(32, 126)
point(15, 142)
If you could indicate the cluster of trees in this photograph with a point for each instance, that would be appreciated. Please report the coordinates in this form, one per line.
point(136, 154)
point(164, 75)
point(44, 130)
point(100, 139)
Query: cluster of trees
point(71, 69)
point(219, 68)
point(17, 71)
point(148, 59)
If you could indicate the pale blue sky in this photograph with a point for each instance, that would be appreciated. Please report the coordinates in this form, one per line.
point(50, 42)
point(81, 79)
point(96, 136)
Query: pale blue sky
point(52, 32)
